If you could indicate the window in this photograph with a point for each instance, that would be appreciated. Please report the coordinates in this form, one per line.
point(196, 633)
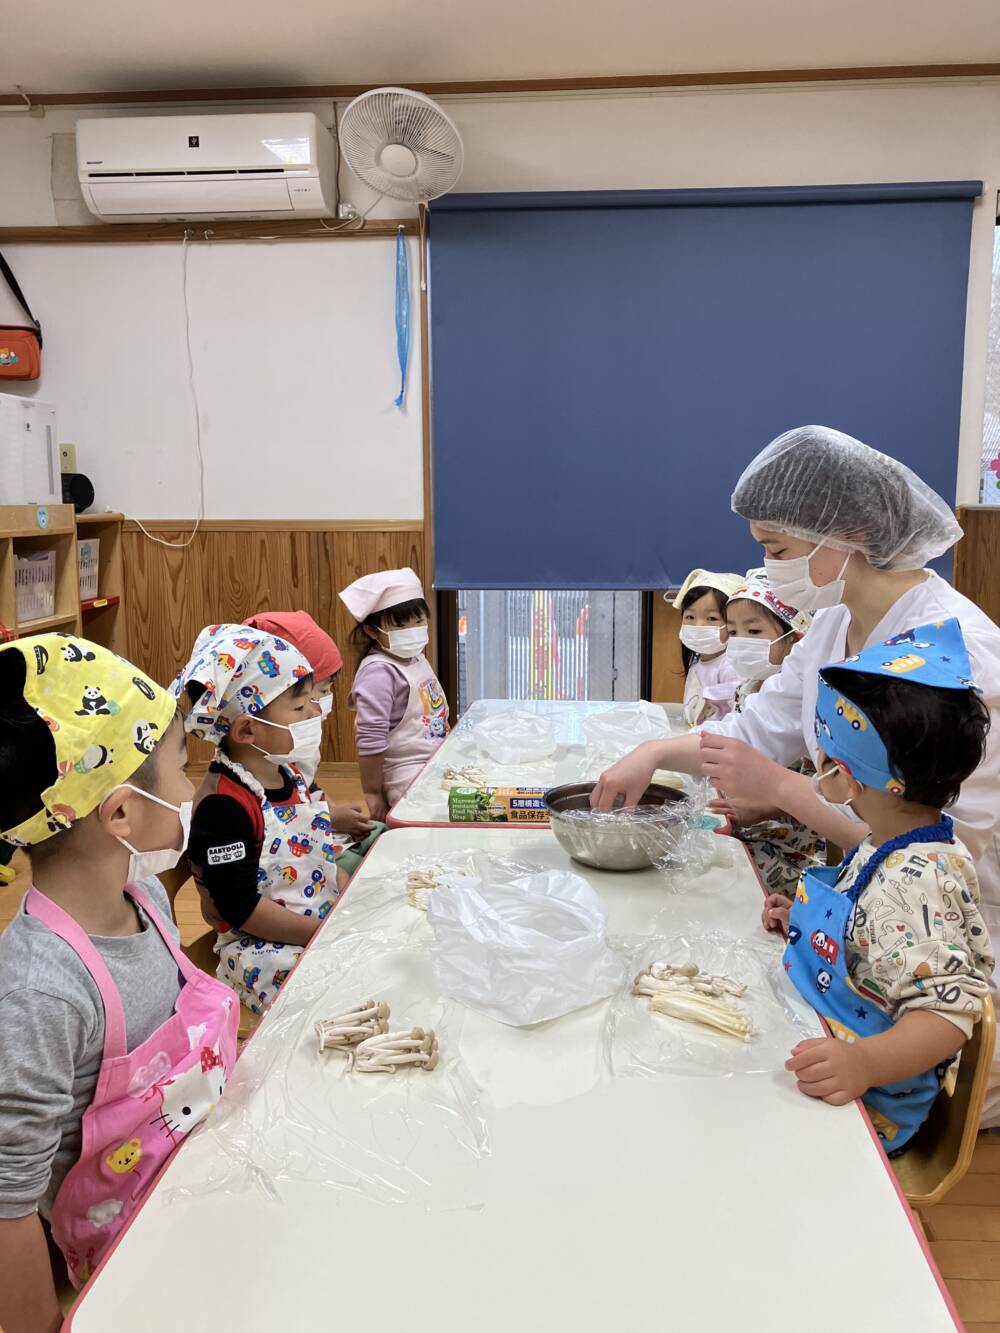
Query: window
point(526, 644)
point(989, 491)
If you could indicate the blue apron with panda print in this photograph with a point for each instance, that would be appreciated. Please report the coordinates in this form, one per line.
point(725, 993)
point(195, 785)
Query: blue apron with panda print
point(816, 963)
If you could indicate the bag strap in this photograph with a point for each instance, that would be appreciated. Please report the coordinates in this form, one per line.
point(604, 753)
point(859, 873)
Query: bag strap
point(19, 296)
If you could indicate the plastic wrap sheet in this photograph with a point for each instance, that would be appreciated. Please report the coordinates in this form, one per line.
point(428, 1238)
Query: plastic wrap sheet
point(525, 951)
point(639, 1042)
point(512, 736)
point(612, 734)
point(293, 1114)
point(679, 838)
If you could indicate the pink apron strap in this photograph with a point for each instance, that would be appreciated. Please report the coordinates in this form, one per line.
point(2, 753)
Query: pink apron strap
point(63, 925)
point(186, 968)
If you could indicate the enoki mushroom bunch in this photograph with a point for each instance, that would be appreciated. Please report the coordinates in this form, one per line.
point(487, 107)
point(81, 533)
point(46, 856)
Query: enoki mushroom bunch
point(469, 776)
point(363, 1036)
point(693, 996)
point(420, 884)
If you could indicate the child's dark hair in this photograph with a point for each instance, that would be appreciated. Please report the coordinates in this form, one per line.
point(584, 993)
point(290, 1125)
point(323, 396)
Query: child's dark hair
point(690, 597)
point(393, 617)
point(28, 755)
point(934, 737)
point(764, 611)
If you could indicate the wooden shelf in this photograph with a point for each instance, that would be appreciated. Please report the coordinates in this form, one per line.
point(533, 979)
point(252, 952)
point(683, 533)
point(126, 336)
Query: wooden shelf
point(20, 521)
point(104, 616)
point(99, 603)
point(22, 534)
point(47, 622)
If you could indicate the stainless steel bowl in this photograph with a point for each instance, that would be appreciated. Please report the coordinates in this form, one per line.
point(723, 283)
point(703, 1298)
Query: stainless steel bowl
point(605, 844)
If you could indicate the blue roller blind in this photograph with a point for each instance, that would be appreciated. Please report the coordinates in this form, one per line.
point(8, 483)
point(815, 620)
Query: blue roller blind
point(605, 364)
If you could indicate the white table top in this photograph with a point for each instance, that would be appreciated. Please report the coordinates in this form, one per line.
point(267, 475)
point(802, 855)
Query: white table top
point(668, 1202)
point(426, 803)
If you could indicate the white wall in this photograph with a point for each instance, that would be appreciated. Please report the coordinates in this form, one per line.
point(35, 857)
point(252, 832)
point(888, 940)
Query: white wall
point(775, 136)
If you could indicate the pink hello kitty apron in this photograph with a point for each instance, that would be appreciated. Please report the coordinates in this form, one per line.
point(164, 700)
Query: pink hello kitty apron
point(145, 1100)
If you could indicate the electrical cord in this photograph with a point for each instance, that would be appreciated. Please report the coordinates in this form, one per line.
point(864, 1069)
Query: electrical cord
point(193, 389)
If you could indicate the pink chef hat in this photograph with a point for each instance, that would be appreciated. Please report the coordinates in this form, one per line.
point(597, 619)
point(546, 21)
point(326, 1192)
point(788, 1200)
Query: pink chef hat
point(378, 592)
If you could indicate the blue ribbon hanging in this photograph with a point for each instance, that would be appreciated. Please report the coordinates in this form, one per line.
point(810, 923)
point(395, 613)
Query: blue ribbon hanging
point(402, 313)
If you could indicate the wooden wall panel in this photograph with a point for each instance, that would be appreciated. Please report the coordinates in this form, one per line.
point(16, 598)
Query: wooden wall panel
point(977, 557)
point(229, 572)
point(667, 684)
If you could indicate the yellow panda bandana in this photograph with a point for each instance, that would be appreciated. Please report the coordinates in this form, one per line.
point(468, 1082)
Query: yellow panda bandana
point(105, 717)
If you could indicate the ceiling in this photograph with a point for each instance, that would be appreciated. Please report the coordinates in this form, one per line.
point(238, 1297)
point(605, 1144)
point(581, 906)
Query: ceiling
point(119, 45)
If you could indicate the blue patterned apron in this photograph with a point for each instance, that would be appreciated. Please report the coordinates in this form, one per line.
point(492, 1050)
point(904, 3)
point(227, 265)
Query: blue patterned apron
point(815, 960)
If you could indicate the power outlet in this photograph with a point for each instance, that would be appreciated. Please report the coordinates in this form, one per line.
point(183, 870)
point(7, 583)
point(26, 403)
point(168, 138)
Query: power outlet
point(67, 458)
point(346, 212)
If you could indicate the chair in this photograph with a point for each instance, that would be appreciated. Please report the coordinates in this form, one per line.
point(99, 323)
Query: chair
point(941, 1151)
point(201, 951)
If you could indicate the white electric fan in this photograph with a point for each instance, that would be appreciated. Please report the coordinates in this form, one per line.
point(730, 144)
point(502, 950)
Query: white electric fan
point(401, 144)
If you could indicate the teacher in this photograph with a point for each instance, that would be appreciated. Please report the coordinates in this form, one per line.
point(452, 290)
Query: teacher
point(846, 532)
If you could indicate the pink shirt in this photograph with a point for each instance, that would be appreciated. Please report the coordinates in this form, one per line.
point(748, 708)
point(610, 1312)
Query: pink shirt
point(379, 699)
point(719, 683)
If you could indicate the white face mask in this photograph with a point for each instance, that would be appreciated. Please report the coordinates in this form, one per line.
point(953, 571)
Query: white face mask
point(705, 640)
point(838, 807)
point(325, 702)
point(792, 583)
point(143, 864)
point(751, 658)
point(409, 642)
point(306, 737)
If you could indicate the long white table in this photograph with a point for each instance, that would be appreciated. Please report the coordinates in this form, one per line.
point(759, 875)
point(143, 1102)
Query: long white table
point(426, 803)
point(522, 1185)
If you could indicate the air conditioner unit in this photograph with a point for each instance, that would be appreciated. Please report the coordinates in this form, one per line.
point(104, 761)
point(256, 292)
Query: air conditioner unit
point(204, 167)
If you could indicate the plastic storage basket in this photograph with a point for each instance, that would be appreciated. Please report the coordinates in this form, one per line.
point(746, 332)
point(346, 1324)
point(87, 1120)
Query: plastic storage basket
point(35, 586)
point(90, 558)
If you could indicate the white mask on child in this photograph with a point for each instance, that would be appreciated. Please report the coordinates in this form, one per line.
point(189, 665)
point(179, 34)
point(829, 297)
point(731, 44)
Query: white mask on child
point(143, 864)
point(407, 643)
point(751, 658)
point(838, 808)
point(705, 640)
point(307, 736)
point(325, 702)
point(792, 583)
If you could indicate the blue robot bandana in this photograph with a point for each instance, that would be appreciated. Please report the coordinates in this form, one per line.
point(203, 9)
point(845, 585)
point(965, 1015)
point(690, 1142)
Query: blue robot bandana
point(932, 654)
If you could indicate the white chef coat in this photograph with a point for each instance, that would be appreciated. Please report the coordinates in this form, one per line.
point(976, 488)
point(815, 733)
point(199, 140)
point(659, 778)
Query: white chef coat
point(779, 721)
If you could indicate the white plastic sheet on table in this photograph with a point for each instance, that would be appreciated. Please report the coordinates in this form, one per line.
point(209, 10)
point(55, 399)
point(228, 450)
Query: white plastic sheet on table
point(621, 1177)
point(612, 734)
point(525, 951)
point(639, 1042)
point(572, 760)
point(513, 736)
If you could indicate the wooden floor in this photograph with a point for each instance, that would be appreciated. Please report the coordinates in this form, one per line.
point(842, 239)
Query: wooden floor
point(964, 1231)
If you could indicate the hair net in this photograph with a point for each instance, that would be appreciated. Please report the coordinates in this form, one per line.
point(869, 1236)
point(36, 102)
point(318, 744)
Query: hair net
point(820, 485)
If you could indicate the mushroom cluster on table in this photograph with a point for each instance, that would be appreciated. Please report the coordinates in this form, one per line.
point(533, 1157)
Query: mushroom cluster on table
point(686, 993)
point(362, 1035)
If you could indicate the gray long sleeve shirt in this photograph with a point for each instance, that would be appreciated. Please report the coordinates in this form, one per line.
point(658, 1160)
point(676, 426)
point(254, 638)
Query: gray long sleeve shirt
point(52, 1042)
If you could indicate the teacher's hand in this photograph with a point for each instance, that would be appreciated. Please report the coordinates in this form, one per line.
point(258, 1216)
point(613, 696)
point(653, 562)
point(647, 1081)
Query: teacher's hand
point(629, 778)
point(738, 772)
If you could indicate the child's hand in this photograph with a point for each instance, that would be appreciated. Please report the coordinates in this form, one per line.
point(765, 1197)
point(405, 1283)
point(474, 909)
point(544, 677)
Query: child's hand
point(378, 806)
point(835, 1070)
point(350, 818)
point(777, 909)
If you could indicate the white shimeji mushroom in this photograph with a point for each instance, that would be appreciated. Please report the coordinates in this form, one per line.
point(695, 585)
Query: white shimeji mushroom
point(389, 1051)
point(367, 1019)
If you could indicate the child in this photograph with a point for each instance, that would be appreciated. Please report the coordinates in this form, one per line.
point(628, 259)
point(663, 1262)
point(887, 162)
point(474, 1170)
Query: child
point(300, 630)
point(762, 631)
point(112, 1045)
point(890, 947)
point(711, 682)
point(401, 708)
point(262, 848)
